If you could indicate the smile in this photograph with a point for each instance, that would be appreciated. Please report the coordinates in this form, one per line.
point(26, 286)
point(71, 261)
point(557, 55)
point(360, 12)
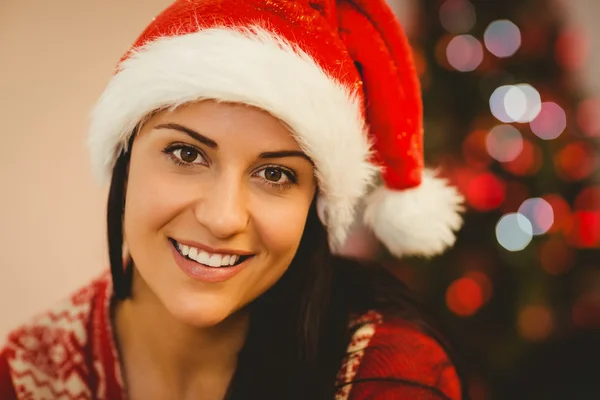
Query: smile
point(213, 260)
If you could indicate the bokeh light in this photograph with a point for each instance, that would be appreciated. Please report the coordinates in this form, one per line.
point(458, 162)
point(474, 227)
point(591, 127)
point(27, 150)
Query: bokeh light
point(483, 281)
point(562, 213)
point(522, 103)
point(464, 53)
point(588, 117)
point(588, 199)
point(571, 49)
point(527, 163)
point(550, 122)
point(556, 256)
point(519, 192)
point(475, 151)
point(585, 230)
point(539, 212)
point(575, 161)
point(497, 106)
point(515, 103)
point(514, 231)
point(502, 38)
point(586, 310)
point(457, 16)
point(535, 323)
point(504, 143)
point(464, 296)
point(485, 192)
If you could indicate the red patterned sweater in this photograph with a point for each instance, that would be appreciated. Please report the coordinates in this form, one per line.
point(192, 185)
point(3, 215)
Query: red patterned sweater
point(69, 353)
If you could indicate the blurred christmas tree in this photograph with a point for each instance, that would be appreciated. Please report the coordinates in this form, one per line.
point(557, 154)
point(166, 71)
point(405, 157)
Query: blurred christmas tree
point(506, 119)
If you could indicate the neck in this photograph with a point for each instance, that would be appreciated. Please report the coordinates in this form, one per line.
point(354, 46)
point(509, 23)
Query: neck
point(179, 355)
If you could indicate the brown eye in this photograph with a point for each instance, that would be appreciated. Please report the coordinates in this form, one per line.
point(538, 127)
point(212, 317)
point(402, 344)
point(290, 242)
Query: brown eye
point(188, 155)
point(273, 174)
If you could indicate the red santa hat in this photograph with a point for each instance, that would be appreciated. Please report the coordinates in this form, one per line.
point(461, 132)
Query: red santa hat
point(340, 74)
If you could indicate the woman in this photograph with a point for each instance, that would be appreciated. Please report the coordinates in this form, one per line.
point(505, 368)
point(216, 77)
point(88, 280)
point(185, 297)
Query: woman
point(239, 137)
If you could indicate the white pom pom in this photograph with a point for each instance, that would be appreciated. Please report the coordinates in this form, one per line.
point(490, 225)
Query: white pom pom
point(420, 221)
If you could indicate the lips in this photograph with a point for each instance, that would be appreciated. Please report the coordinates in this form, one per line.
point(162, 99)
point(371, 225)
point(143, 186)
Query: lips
point(214, 260)
point(205, 266)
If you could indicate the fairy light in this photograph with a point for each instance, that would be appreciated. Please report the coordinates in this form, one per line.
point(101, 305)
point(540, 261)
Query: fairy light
point(550, 122)
point(504, 143)
point(457, 16)
point(535, 323)
point(515, 103)
point(514, 232)
point(464, 53)
point(539, 213)
point(502, 38)
point(464, 296)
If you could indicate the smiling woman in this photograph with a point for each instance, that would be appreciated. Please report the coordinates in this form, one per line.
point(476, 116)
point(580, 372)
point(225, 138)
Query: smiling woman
point(238, 146)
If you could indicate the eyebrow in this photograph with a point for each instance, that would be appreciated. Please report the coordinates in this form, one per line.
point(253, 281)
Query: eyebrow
point(213, 145)
point(286, 153)
point(191, 133)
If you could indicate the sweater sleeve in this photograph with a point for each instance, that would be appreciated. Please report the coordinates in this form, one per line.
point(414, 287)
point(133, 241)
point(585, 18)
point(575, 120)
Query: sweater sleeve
point(396, 361)
point(7, 389)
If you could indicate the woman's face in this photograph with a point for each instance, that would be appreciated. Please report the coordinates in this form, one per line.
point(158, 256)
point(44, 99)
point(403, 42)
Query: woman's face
point(209, 185)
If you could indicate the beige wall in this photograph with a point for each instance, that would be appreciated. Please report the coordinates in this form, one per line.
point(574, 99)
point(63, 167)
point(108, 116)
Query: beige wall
point(56, 56)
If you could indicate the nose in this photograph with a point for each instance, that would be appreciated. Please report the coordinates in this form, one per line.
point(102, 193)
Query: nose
point(223, 207)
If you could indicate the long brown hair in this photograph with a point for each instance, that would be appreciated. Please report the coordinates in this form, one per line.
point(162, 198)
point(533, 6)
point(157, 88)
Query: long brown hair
point(298, 331)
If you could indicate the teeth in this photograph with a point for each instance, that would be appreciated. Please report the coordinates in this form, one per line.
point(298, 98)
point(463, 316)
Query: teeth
point(215, 260)
point(185, 250)
point(203, 257)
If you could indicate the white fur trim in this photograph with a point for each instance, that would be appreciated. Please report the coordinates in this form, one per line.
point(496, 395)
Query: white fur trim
point(416, 222)
point(255, 67)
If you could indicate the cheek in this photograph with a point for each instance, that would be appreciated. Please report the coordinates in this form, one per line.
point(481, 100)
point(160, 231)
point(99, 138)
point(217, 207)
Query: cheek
point(279, 229)
point(152, 201)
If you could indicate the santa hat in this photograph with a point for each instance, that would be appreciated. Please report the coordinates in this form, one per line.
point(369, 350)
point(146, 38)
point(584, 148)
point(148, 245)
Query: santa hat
point(340, 74)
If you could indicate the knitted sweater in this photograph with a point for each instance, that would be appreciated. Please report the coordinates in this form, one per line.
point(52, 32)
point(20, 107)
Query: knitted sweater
point(69, 353)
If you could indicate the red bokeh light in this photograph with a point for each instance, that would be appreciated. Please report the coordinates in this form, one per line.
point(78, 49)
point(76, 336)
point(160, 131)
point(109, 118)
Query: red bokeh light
point(464, 297)
point(588, 117)
point(562, 213)
point(485, 192)
point(571, 49)
point(588, 199)
point(516, 194)
point(556, 257)
point(440, 51)
point(535, 323)
point(575, 161)
point(475, 150)
point(585, 232)
point(484, 282)
point(527, 163)
point(586, 311)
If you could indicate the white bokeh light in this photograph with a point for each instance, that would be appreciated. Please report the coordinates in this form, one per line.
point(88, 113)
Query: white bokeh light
point(515, 103)
point(502, 38)
point(504, 143)
point(497, 104)
point(514, 232)
point(539, 213)
point(464, 53)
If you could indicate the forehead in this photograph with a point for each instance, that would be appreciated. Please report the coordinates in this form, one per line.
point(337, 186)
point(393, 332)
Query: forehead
point(235, 122)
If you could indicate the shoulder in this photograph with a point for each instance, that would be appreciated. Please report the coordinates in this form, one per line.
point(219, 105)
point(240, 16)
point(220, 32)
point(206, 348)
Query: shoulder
point(48, 356)
point(389, 358)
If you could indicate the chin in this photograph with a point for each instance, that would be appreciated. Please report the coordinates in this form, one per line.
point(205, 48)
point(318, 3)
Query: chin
point(199, 311)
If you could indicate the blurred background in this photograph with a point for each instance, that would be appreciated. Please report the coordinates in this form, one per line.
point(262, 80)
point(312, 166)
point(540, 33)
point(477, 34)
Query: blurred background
point(512, 114)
